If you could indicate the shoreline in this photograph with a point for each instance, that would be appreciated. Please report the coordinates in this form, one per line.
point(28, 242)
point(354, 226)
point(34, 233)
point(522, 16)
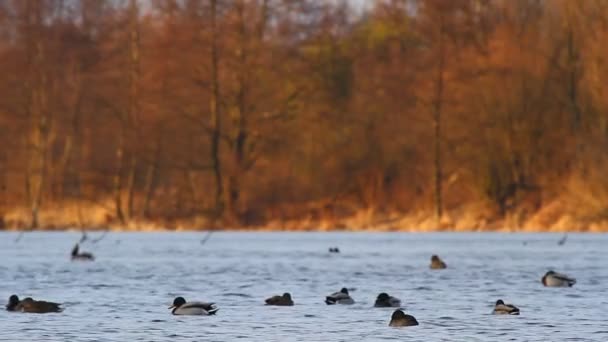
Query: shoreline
point(246, 230)
point(556, 217)
point(312, 229)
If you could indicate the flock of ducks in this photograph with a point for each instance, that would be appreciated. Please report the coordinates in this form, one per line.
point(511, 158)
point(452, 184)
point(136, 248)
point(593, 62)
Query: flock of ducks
point(398, 319)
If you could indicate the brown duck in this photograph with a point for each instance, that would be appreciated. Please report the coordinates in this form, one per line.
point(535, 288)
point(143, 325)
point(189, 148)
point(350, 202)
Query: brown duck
point(437, 263)
point(284, 300)
point(32, 306)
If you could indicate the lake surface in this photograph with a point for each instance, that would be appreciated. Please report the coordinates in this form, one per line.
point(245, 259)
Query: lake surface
point(124, 294)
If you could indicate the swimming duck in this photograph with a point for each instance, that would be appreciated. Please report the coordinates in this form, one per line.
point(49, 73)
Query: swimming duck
point(341, 297)
point(180, 307)
point(400, 319)
point(13, 303)
point(437, 263)
point(334, 250)
point(505, 309)
point(31, 306)
point(81, 256)
point(554, 279)
point(284, 300)
point(386, 301)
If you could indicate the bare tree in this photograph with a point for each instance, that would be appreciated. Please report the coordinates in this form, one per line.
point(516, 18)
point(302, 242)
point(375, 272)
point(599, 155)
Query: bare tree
point(38, 110)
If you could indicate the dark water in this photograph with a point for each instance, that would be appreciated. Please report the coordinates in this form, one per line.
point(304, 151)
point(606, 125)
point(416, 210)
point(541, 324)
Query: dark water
point(124, 295)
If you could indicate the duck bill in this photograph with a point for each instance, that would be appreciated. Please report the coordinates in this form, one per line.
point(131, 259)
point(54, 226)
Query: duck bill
point(172, 307)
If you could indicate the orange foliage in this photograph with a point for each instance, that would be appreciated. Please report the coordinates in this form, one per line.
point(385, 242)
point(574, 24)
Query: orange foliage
point(421, 114)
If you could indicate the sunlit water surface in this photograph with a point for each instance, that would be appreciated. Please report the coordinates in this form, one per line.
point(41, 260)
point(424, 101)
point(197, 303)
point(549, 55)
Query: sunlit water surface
point(124, 294)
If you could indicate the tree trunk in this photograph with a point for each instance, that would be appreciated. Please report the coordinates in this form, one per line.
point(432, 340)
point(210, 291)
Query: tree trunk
point(151, 180)
point(239, 138)
point(437, 111)
point(38, 110)
point(133, 119)
point(131, 187)
point(118, 177)
point(216, 122)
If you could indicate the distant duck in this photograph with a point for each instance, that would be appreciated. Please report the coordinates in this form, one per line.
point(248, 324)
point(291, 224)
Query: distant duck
point(437, 263)
point(180, 307)
point(341, 297)
point(31, 306)
point(81, 256)
point(334, 250)
point(505, 309)
point(284, 300)
point(400, 319)
point(386, 301)
point(554, 279)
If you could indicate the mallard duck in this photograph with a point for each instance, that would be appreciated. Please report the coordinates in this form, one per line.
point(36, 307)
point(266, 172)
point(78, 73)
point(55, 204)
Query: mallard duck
point(284, 300)
point(554, 279)
point(180, 307)
point(400, 319)
point(341, 297)
point(505, 309)
point(385, 301)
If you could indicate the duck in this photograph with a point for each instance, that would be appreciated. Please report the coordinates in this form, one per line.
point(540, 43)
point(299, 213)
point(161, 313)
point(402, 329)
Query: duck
point(284, 300)
point(437, 263)
point(334, 250)
point(385, 301)
point(180, 307)
point(341, 297)
point(31, 306)
point(400, 319)
point(505, 309)
point(81, 256)
point(554, 279)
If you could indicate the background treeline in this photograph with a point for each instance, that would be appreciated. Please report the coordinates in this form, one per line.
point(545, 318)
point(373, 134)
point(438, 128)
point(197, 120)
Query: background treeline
point(247, 112)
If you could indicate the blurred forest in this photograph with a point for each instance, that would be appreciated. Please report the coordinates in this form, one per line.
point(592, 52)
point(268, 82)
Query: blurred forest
point(304, 114)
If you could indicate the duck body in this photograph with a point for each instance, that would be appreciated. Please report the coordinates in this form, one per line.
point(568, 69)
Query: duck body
point(84, 256)
point(505, 309)
point(437, 263)
point(400, 319)
point(386, 301)
point(554, 279)
point(180, 307)
point(30, 305)
point(284, 300)
point(341, 297)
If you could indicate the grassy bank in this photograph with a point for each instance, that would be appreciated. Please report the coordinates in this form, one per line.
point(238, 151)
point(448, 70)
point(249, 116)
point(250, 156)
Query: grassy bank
point(556, 216)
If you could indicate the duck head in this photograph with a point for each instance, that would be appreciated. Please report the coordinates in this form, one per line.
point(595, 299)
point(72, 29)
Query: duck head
point(383, 297)
point(13, 301)
point(398, 314)
point(435, 258)
point(177, 302)
point(287, 295)
point(344, 290)
point(75, 250)
point(500, 302)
